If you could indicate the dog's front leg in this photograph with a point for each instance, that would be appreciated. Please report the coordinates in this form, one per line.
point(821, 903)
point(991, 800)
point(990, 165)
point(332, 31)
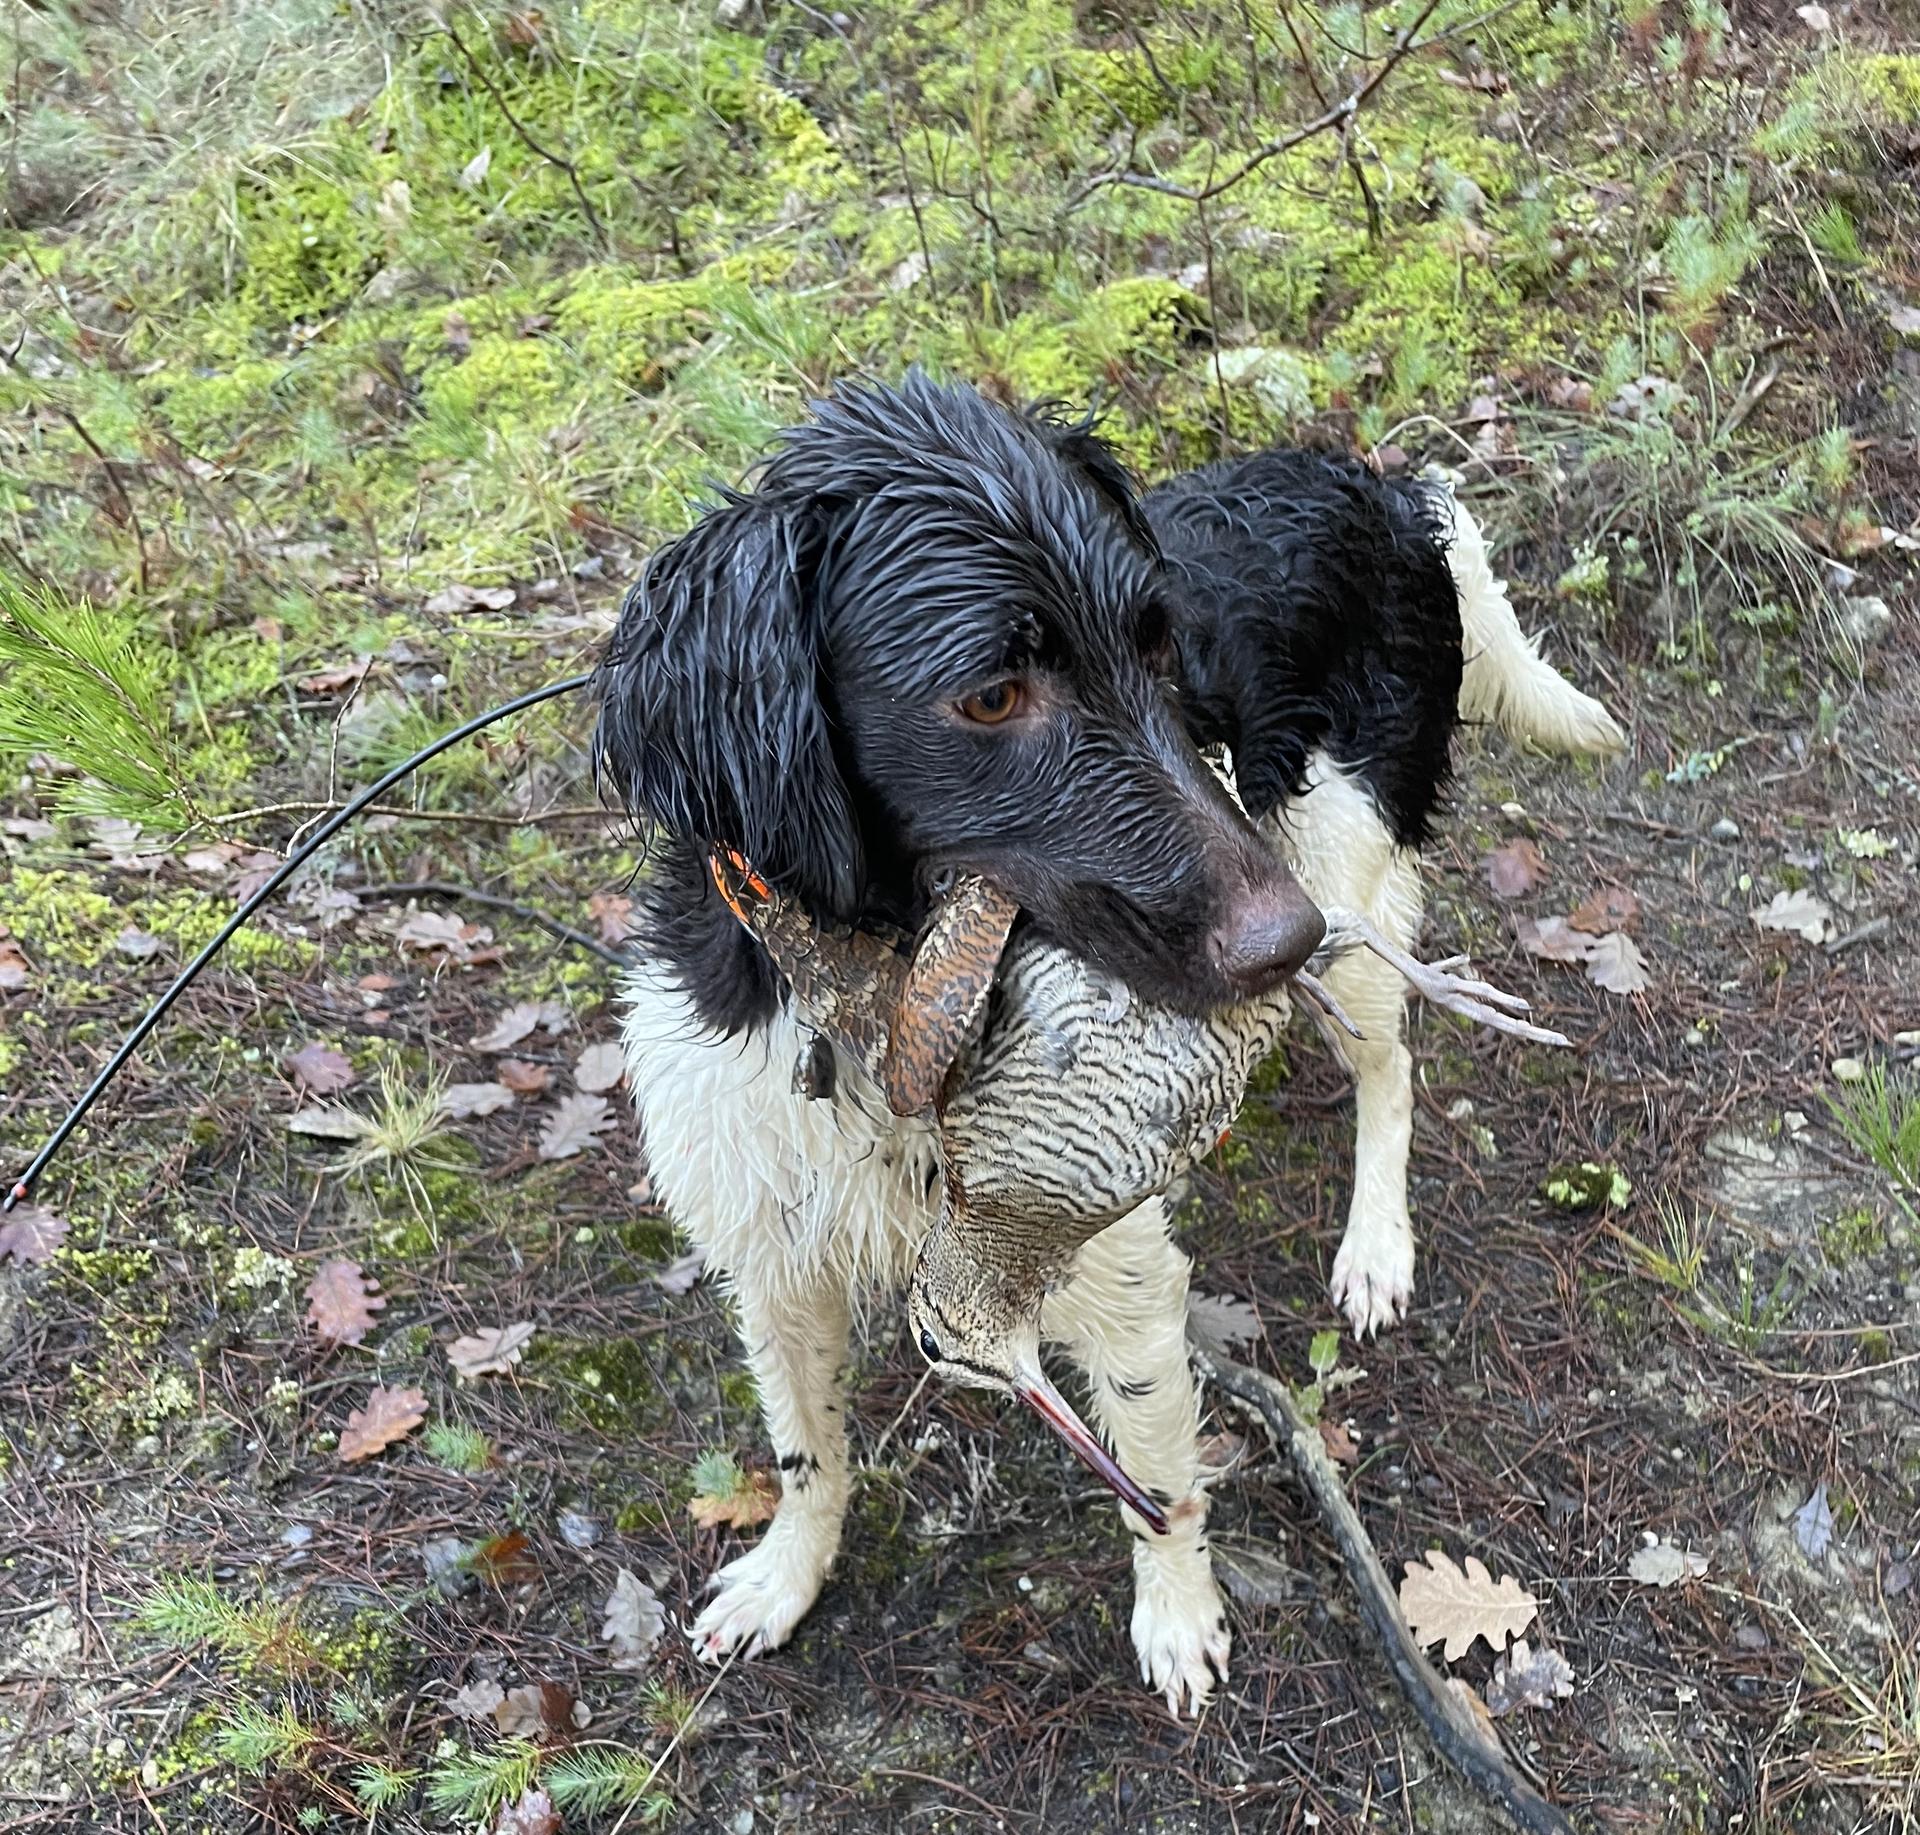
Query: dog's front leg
point(1123, 1313)
point(796, 1344)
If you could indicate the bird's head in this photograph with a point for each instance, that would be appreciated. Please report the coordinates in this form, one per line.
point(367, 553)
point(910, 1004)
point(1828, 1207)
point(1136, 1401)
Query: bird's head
point(977, 1326)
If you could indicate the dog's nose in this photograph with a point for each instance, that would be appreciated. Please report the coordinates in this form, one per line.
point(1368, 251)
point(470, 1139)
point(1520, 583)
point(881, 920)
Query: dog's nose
point(1270, 931)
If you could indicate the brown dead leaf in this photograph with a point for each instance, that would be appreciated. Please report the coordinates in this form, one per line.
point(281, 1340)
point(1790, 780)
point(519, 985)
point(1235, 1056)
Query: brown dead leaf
point(633, 1623)
point(538, 1708)
point(463, 1101)
point(505, 1561)
point(329, 1121)
point(519, 1022)
point(334, 681)
point(613, 914)
point(600, 1067)
point(341, 1302)
point(1554, 939)
point(1339, 1443)
point(752, 1500)
point(1617, 965)
point(682, 1274)
point(477, 1700)
point(524, 1079)
point(1800, 912)
point(460, 598)
point(533, 1814)
point(1514, 870)
point(31, 1234)
point(492, 1352)
point(1611, 908)
point(14, 967)
point(440, 933)
point(138, 945)
point(1444, 1605)
point(390, 1415)
point(576, 1124)
point(321, 1069)
point(1469, 1698)
point(1527, 1678)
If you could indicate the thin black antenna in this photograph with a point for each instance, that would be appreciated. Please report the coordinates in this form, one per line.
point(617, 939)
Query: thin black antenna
point(23, 1186)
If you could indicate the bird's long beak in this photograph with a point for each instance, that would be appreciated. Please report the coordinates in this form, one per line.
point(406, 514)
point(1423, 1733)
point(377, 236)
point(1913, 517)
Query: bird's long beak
point(1032, 1387)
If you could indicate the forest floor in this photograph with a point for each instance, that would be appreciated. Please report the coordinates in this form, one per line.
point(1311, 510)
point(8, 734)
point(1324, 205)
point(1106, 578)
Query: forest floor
point(357, 365)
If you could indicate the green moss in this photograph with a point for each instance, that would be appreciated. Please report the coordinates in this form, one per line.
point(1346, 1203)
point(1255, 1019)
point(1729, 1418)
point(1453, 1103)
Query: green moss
point(1888, 85)
point(608, 1383)
point(1853, 1237)
point(308, 243)
point(1586, 1186)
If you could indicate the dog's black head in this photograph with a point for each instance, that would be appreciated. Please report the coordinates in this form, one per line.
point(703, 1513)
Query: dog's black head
point(932, 637)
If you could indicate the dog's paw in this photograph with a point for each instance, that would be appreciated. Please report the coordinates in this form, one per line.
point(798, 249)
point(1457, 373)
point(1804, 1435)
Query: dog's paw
point(1373, 1275)
point(760, 1598)
point(1180, 1630)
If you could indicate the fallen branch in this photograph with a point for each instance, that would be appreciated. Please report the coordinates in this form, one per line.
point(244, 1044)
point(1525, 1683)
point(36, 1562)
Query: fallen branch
point(1450, 1723)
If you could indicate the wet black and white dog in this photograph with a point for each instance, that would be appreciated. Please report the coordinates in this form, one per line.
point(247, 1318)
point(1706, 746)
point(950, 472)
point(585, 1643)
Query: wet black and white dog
point(934, 636)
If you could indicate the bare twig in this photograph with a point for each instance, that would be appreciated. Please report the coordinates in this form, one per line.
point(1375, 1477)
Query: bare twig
point(1336, 116)
point(1450, 1724)
point(483, 817)
point(520, 127)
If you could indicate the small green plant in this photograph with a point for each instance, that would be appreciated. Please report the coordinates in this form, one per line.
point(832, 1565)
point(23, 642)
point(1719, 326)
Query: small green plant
point(457, 1446)
point(77, 684)
point(597, 1776)
point(184, 1611)
point(1880, 1117)
point(472, 1782)
point(1831, 231)
point(1677, 1256)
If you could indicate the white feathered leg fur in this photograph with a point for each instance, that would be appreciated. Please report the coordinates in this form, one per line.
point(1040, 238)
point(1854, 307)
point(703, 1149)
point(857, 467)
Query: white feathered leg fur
point(1345, 857)
point(804, 1207)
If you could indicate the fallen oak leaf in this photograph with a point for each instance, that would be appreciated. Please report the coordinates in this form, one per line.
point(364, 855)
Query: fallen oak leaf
point(390, 1415)
point(138, 944)
point(32, 1235)
point(1662, 1565)
point(14, 967)
point(1217, 1322)
point(328, 1121)
point(1448, 1606)
point(341, 1302)
point(477, 1700)
point(1514, 870)
point(1527, 1678)
point(1798, 912)
point(519, 1022)
point(600, 1067)
point(505, 1561)
point(524, 1079)
point(576, 1124)
point(1813, 1524)
point(1339, 1443)
point(463, 1101)
point(680, 1275)
point(613, 913)
point(1611, 908)
point(321, 1069)
point(489, 1353)
point(1553, 939)
point(1617, 965)
point(634, 1619)
point(533, 1814)
point(536, 1709)
point(722, 1493)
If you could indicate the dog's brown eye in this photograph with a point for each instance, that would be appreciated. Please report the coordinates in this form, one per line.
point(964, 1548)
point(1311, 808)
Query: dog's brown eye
point(992, 705)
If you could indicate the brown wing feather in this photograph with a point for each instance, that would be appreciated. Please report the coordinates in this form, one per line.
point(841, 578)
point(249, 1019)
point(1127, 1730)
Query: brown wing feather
point(945, 992)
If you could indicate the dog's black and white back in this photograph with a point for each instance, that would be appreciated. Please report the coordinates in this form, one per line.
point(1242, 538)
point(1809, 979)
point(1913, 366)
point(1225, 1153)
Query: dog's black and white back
point(932, 637)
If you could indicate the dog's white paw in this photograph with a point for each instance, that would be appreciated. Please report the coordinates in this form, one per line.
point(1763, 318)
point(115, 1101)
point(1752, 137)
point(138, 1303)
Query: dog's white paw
point(1180, 1630)
point(758, 1599)
point(1373, 1274)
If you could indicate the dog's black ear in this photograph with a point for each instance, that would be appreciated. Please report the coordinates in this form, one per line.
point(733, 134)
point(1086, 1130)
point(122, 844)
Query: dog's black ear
point(711, 719)
point(1078, 442)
